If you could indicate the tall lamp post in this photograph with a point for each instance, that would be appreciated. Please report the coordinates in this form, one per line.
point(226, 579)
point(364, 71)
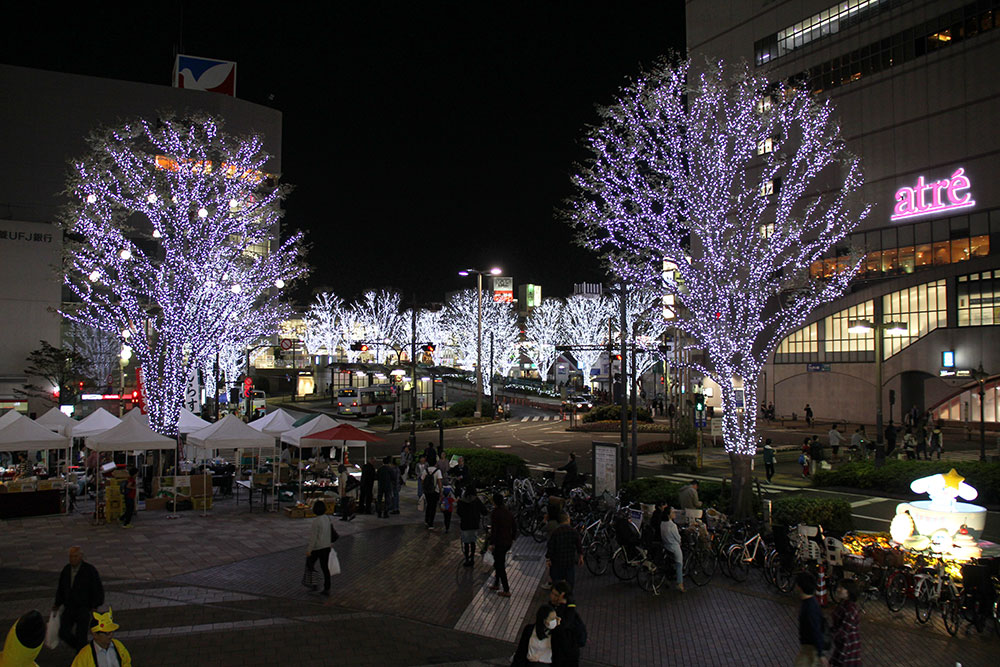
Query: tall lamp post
point(479, 330)
point(980, 376)
point(881, 329)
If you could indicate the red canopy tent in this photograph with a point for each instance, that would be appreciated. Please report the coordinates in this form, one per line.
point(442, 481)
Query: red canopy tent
point(346, 433)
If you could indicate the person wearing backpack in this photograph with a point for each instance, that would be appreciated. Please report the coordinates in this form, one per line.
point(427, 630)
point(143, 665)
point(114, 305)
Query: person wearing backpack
point(322, 535)
point(570, 635)
point(431, 485)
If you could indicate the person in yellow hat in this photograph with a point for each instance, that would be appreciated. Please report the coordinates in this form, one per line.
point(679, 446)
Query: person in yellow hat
point(104, 650)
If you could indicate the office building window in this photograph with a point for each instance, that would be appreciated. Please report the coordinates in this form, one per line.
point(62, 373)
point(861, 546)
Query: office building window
point(923, 309)
point(842, 345)
point(978, 299)
point(800, 346)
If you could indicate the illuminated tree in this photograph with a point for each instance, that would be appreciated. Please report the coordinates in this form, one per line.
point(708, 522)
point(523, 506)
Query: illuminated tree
point(322, 324)
point(586, 323)
point(645, 324)
point(102, 352)
point(431, 329)
point(460, 318)
point(543, 332)
point(740, 185)
point(381, 319)
point(171, 247)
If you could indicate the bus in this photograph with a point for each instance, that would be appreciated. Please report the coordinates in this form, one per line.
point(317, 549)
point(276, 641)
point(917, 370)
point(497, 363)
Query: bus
point(361, 401)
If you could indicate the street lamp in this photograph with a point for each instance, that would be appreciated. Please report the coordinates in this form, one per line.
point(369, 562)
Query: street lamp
point(880, 328)
point(479, 330)
point(980, 376)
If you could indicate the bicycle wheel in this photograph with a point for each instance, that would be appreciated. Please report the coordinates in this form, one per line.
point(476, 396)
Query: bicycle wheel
point(597, 558)
point(924, 601)
point(951, 612)
point(739, 566)
point(895, 590)
point(538, 529)
point(722, 561)
point(784, 579)
point(699, 569)
point(770, 565)
point(644, 576)
point(624, 567)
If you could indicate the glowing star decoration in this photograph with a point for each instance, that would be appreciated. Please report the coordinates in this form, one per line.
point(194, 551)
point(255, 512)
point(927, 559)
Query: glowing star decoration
point(674, 176)
point(913, 202)
point(944, 489)
point(165, 296)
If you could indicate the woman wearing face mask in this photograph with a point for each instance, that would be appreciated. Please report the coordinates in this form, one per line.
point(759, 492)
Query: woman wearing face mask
point(535, 647)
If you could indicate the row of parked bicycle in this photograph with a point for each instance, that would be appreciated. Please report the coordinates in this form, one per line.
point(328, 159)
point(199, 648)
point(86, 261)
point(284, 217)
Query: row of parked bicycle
point(617, 536)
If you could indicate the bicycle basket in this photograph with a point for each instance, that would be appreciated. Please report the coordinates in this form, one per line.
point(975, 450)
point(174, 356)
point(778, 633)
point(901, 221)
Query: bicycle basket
point(857, 564)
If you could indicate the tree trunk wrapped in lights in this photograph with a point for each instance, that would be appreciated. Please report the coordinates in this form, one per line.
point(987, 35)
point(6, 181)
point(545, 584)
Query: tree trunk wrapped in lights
point(740, 185)
point(171, 246)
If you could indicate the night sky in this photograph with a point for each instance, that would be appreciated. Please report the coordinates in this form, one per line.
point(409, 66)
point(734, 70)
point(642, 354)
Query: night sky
point(422, 138)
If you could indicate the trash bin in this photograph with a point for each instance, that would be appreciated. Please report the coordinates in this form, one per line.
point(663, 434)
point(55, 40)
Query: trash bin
point(879, 455)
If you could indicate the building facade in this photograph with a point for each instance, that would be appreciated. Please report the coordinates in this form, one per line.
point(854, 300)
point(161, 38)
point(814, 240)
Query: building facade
point(916, 88)
point(45, 118)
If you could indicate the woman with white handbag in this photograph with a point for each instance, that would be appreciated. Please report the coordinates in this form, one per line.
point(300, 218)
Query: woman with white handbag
point(321, 538)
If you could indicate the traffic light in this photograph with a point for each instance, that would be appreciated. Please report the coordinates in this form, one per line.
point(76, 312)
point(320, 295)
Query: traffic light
point(247, 387)
point(359, 347)
point(617, 357)
point(428, 347)
point(699, 402)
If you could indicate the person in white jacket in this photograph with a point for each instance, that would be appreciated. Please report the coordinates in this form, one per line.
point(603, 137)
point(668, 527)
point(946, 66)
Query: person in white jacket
point(321, 538)
point(671, 537)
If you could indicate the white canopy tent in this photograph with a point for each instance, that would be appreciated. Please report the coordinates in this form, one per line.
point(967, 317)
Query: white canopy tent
point(230, 433)
point(20, 433)
point(57, 421)
point(275, 423)
point(130, 434)
point(189, 422)
point(9, 417)
point(294, 437)
point(99, 421)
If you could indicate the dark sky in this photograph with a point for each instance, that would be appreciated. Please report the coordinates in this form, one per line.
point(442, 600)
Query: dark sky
point(421, 137)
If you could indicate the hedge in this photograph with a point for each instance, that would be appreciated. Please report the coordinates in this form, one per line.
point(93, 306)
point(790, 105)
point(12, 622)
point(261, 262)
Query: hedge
point(833, 514)
point(895, 476)
point(615, 426)
point(487, 466)
point(380, 419)
point(467, 408)
point(613, 412)
point(650, 490)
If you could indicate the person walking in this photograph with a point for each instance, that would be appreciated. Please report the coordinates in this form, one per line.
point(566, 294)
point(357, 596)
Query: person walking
point(397, 482)
point(858, 442)
point(811, 644)
point(421, 469)
point(432, 485)
point(671, 538)
point(921, 438)
point(131, 490)
point(535, 646)
point(431, 454)
point(564, 552)
point(103, 650)
point(570, 634)
point(835, 437)
point(343, 479)
point(815, 454)
point(768, 459)
point(367, 485)
point(80, 593)
point(322, 535)
point(687, 497)
point(385, 484)
point(405, 461)
point(470, 514)
point(937, 443)
point(460, 476)
point(447, 505)
point(846, 650)
point(503, 532)
point(809, 415)
point(890, 438)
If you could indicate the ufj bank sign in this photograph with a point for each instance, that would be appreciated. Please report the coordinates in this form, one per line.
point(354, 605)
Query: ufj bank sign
point(928, 198)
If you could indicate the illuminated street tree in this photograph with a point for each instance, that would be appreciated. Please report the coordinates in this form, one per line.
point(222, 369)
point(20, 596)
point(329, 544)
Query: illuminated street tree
point(586, 321)
point(102, 352)
point(431, 329)
point(742, 185)
point(543, 331)
point(460, 320)
point(645, 325)
point(381, 319)
point(171, 246)
point(322, 324)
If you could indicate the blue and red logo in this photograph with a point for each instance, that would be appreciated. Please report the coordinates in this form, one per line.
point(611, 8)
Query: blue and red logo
point(215, 76)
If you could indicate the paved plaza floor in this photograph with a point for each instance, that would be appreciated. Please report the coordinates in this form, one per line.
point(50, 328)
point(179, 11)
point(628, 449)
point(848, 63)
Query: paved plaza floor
point(225, 589)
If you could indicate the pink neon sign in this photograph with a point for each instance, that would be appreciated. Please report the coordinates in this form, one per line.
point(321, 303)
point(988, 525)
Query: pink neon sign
point(912, 202)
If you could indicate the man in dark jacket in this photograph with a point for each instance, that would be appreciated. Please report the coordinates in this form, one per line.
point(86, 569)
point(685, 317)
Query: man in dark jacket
point(503, 531)
point(367, 485)
point(810, 622)
point(564, 552)
point(80, 593)
point(385, 490)
point(431, 454)
point(569, 481)
point(571, 633)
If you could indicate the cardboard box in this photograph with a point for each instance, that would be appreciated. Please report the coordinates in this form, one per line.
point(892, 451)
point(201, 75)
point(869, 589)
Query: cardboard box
point(202, 503)
point(156, 504)
point(295, 512)
point(201, 485)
